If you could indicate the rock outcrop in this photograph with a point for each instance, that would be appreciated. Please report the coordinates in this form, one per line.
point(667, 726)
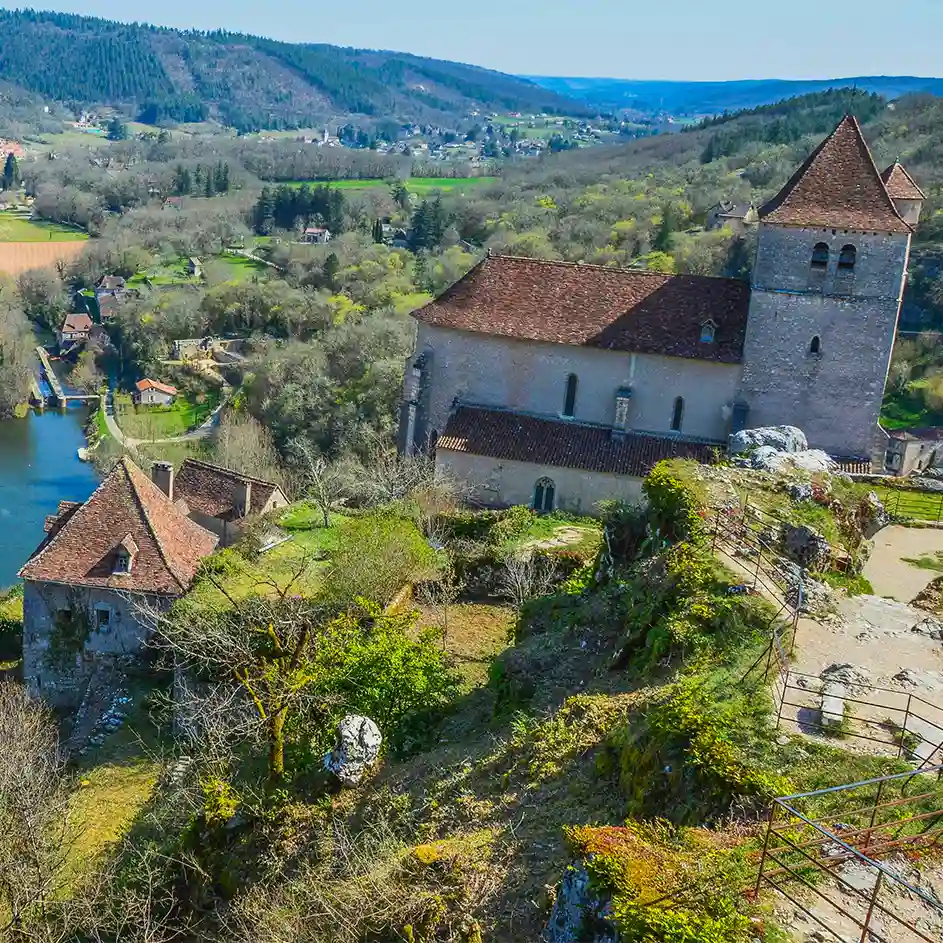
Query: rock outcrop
point(356, 750)
point(778, 438)
point(579, 913)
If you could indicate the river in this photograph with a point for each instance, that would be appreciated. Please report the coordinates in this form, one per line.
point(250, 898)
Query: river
point(39, 467)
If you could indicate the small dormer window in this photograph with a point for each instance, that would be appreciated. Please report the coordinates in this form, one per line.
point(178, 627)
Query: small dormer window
point(125, 553)
point(708, 330)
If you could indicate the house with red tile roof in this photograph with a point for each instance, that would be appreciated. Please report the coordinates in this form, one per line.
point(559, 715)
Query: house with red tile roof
point(149, 392)
point(100, 561)
point(75, 328)
point(560, 384)
point(217, 498)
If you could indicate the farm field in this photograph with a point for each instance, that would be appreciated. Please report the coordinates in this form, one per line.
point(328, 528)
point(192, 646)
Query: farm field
point(17, 257)
point(14, 227)
point(421, 186)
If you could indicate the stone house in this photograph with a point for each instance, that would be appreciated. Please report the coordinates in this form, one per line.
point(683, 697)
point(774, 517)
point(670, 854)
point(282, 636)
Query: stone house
point(558, 383)
point(737, 217)
point(75, 328)
point(913, 450)
point(216, 498)
point(316, 235)
point(154, 393)
point(99, 561)
point(194, 267)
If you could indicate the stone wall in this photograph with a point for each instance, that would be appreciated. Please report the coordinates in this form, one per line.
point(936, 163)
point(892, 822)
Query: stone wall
point(834, 395)
point(500, 483)
point(530, 376)
point(60, 680)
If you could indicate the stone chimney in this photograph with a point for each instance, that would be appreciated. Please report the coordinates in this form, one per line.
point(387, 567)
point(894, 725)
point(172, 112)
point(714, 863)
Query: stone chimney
point(243, 497)
point(162, 474)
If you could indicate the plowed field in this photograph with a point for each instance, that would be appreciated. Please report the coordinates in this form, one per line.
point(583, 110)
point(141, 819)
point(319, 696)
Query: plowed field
point(16, 257)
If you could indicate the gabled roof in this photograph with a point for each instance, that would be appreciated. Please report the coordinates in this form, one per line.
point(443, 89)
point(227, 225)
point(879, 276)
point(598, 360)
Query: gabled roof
point(148, 384)
point(596, 306)
point(110, 282)
point(217, 492)
point(838, 187)
point(510, 436)
point(76, 322)
point(900, 185)
point(127, 506)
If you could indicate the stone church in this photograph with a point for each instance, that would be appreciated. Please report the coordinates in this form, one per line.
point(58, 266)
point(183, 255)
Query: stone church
point(559, 384)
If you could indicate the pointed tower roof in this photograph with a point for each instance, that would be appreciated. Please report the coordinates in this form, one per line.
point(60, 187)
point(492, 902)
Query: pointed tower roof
point(838, 187)
point(126, 510)
point(900, 185)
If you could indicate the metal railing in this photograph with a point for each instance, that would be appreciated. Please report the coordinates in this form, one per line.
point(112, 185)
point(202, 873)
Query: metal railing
point(912, 503)
point(821, 852)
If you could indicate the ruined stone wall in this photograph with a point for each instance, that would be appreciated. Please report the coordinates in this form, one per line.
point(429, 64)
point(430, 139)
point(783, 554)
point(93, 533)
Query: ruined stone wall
point(501, 483)
point(834, 395)
point(460, 366)
point(58, 679)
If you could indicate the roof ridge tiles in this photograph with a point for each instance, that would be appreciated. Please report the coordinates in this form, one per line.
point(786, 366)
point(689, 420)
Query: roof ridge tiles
point(229, 472)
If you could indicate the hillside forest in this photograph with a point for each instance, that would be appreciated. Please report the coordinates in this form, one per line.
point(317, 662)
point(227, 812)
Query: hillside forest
point(539, 680)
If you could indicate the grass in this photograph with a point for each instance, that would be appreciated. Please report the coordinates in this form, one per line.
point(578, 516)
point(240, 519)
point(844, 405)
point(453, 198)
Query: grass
point(238, 268)
point(420, 186)
point(17, 228)
point(175, 272)
point(163, 422)
point(927, 562)
point(908, 410)
point(905, 502)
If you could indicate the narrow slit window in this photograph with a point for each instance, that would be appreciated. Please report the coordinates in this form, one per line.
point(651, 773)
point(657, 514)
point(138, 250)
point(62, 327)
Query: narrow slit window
point(816, 346)
point(677, 415)
point(544, 494)
point(820, 257)
point(708, 330)
point(569, 398)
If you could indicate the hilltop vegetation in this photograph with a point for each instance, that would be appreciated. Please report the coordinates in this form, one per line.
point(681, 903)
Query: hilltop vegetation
point(247, 82)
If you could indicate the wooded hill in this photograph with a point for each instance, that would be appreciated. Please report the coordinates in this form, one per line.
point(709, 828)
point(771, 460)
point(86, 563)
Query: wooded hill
point(245, 81)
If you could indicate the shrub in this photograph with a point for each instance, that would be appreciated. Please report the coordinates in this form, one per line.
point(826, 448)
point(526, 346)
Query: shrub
point(667, 884)
point(675, 505)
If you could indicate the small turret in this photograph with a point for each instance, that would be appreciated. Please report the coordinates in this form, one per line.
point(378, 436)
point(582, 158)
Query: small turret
point(907, 196)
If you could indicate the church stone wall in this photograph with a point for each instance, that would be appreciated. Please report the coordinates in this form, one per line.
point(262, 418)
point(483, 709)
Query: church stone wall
point(530, 376)
point(834, 395)
point(502, 483)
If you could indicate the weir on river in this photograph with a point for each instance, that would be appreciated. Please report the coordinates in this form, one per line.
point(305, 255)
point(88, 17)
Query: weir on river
point(50, 386)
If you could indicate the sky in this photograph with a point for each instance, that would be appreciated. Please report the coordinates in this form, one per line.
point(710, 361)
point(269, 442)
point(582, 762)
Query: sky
point(643, 39)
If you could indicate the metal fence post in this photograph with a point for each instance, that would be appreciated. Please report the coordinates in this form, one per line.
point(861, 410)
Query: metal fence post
point(874, 897)
point(874, 815)
point(769, 829)
point(903, 733)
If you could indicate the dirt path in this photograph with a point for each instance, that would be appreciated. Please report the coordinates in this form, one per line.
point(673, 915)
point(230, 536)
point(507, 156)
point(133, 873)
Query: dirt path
point(887, 570)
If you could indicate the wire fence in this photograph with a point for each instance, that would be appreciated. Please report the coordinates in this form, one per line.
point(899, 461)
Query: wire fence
point(821, 852)
point(909, 502)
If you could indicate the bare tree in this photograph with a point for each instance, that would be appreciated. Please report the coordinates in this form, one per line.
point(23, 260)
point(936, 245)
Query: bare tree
point(386, 476)
point(323, 483)
point(525, 575)
point(244, 445)
point(441, 594)
point(35, 830)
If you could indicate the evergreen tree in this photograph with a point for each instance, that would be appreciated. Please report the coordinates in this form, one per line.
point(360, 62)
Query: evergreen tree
point(208, 189)
point(117, 130)
point(378, 232)
point(401, 195)
point(331, 268)
point(182, 183)
point(263, 215)
point(11, 173)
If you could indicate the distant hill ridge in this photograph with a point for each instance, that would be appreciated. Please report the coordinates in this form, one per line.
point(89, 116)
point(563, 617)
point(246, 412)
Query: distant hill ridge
point(708, 98)
point(246, 81)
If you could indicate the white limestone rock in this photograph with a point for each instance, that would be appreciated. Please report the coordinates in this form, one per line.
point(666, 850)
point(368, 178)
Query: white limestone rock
point(356, 750)
point(766, 458)
point(779, 438)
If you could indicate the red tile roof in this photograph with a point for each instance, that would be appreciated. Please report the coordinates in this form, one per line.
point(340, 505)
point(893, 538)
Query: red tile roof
point(595, 306)
point(74, 323)
point(216, 492)
point(126, 509)
point(515, 437)
point(838, 187)
point(900, 185)
point(147, 384)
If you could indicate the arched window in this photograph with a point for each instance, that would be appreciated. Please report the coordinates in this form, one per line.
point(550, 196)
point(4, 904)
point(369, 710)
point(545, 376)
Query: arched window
point(569, 398)
point(816, 346)
point(847, 258)
point(820, 257)
point(677, 415)
point(708, 330)
point(544, 492)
